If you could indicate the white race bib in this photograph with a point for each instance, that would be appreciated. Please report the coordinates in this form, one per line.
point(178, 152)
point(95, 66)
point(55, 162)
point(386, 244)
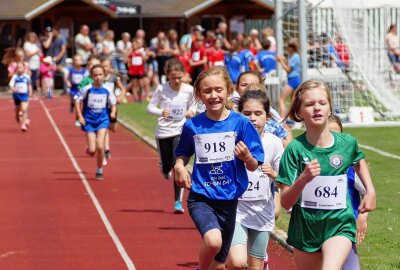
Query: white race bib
point(214, 147)
point(21, 87)
point(219, 63)
point(259, 187)
point(178, 111)
point(137, 60)
point(196, 56)
point(76, 78)
point(325, 192)
point(97, 101)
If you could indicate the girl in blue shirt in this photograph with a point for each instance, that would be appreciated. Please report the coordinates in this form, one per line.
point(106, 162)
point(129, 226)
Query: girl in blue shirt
point(293, 69)
point(225, 143)
point(234, 62)
point(95, 115)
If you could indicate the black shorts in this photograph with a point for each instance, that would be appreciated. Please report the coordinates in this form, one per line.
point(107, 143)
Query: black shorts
point(210, 214)
point(137, 77)
point(166, 148)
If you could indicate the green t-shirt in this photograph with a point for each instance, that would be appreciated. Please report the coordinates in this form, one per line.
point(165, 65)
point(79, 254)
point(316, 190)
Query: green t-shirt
point(310, 228)
point(86, 81)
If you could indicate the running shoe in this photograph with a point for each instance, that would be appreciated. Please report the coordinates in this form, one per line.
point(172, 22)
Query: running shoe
point(24, 128)
point(105, 162)
point(167, 176)
point(178, 209)
point(99, 174)
point(77, 123)
point(107, 154)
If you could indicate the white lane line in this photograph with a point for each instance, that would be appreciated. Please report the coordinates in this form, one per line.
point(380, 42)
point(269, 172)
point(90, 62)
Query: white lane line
point(89, 190)
point(378, 151)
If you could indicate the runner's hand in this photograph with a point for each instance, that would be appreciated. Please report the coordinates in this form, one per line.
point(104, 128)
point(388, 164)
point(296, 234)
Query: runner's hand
point(182, 177)
point(166, 113)
point(368, 203)
point(312, 169)
point(267, 169)
point(361, 227)
point(242, 152)
point(82, 121)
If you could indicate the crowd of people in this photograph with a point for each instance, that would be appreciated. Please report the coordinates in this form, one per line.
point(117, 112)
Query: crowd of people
point(211, 102)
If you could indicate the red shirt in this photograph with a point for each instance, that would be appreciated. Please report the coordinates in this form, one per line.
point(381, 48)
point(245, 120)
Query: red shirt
point(216, 58)
point(198, 54)
point(184, 58)
point(136, 66)
point(344, 53)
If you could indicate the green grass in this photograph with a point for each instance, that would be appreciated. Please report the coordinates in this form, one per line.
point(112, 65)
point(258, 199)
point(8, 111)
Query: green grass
point(381, 247)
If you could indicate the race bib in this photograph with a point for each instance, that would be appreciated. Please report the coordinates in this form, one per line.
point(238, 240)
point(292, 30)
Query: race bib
point(214, 147)
point(97, 101)
point(178, 111)
point(259, 187)
point(21, 87)
point(196, 56)
point(325, 192)
point(137, 60)
point(76, 78)
point(219, 63)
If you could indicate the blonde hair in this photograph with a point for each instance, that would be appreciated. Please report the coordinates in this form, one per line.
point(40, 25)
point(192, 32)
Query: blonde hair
point(255, 86)
point(297, 98)
point(215, 71)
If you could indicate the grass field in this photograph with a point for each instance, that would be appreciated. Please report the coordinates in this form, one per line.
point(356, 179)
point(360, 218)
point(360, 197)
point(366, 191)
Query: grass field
point(381, 248)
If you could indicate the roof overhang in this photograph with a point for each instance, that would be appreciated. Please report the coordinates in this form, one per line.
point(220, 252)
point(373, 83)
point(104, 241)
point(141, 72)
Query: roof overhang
point(199, 8)
point(41, 9)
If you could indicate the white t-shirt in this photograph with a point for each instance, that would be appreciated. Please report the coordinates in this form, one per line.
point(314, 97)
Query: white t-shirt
point(178, 102)
point(110, 45)
point(34, 60)
point(121, 45)
point(260, 215)
point(80, 42)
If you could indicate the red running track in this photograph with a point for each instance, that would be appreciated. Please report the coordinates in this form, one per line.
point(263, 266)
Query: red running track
point(49, 219)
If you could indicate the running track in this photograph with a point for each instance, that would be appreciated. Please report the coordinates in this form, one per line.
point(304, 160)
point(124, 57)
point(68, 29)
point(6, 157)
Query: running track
point(49, 220)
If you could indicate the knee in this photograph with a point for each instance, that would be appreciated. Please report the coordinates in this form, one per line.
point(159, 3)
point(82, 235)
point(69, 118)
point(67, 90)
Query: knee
point(213, 243)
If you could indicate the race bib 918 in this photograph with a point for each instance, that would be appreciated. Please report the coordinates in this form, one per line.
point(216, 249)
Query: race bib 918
point(325, 192)
point(214, 147)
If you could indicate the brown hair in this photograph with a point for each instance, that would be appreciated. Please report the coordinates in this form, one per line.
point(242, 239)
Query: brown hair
point(297, 98)
point(173, 65)
point(294, 45)
point(333, 118)
point(255, 86)
point(215, 71)
point(94, 67)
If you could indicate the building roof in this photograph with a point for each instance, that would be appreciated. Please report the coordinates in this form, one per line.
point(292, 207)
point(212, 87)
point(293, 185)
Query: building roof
point(29, 9)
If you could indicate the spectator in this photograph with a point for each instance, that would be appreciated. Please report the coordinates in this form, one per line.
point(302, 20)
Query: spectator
point(56, 46)
point(173, 43)
point(314, 51)
point(33, 52)
point(124, 48)
point(343, 51)
point(11, 57)
point(198, 62)
point(104, 27)
point(109, 51)
point(83, 44)
point(266, 58)
point(209, 41)
point(393, 46)
point(329, 54)
point(190, 38)
point(268, 33)
point(255, 44)
point(221, 33)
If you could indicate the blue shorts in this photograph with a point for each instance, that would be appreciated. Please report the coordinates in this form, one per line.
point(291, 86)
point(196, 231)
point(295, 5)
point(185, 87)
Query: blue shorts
point(95, 126)
point(256, 241)
point(18, 98)
point(294, 82)
point(210, 214)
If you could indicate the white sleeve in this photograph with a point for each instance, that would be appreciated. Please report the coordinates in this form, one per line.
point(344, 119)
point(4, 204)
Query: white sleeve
point(112, 99)
point(120, 45)
point(275, 115)
point(152, 107)
point(278, 151)
point(82, 93)
point(12, 81)
point(358, 185)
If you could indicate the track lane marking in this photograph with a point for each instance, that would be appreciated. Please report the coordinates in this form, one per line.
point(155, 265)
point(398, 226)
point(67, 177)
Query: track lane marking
point(378, 151)
point(92, 196)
